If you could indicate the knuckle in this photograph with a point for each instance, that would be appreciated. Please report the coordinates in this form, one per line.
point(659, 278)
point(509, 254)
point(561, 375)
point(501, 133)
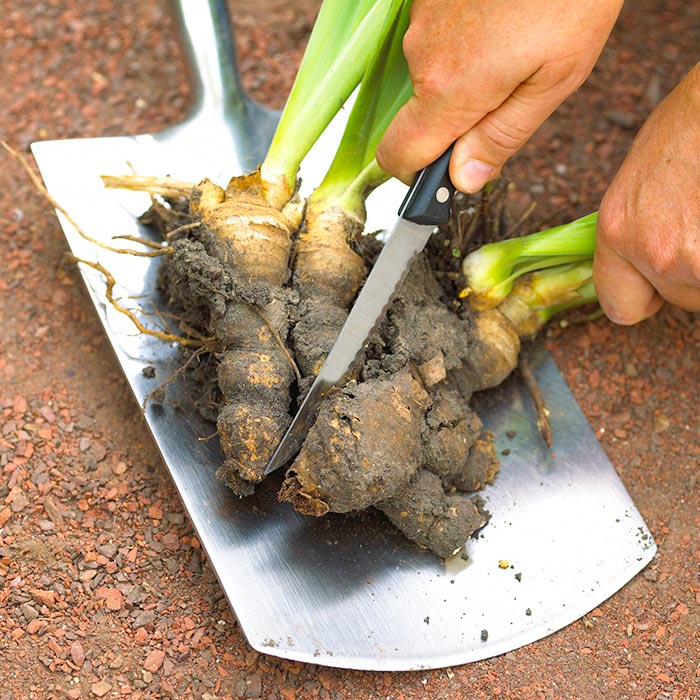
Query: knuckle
point(565, 75)
point(429, 81)
point(506, 134)
point(663, 259)
point(611, 220)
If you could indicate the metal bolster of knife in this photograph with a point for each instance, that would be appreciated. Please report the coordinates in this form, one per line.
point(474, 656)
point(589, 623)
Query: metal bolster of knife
point(428, 200)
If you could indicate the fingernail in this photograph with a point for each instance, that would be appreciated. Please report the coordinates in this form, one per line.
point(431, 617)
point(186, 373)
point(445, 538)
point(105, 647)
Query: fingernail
point(473, 175)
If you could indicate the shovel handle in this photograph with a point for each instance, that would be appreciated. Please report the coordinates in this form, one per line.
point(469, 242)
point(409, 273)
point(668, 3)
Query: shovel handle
point(206, 41)
point(208, 48)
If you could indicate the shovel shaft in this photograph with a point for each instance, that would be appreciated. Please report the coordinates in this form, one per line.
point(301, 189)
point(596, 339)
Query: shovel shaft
point(208, 49)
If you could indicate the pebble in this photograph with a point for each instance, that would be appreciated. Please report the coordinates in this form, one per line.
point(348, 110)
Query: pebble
point(154, 660)
point(47, 598)
point(30, 613)
point(143, 618)
point(77, 654)
point(52, 511)
point(253, 686)
point(100, 688)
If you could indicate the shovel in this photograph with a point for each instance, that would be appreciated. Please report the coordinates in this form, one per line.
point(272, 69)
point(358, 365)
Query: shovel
point(346, 591)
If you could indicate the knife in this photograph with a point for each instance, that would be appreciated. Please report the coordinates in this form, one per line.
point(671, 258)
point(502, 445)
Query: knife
point(426, 205)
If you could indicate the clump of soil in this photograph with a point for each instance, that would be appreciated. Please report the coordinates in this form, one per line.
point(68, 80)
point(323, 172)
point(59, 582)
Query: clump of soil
point(401, 436)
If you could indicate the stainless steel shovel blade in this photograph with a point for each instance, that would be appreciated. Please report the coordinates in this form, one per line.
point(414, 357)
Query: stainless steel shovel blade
point(350, 591)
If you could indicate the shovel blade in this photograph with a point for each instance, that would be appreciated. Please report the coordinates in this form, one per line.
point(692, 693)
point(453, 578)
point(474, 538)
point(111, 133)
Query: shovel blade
point(350, 591)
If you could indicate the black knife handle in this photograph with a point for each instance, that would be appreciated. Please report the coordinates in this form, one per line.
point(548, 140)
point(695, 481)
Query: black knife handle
point(428, 199)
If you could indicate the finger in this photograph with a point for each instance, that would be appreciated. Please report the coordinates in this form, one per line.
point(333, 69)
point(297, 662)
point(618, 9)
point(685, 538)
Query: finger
point(422, 130)
point(686, 296)
point(482, 151)
point(624, 294)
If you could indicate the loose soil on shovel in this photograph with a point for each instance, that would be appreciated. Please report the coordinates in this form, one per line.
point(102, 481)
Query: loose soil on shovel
point(105, 591)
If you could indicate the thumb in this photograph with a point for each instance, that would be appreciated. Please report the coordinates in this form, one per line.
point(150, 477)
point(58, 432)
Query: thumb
point(481, 152)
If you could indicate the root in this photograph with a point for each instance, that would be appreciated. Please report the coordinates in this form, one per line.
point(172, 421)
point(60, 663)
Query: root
point(227, 271)
point(523, 218)
point(543, 424)
point(182, 229)
point(327, 276)
point(109, 295)
point(143, 241)
point(39, 185)
point(164, 186)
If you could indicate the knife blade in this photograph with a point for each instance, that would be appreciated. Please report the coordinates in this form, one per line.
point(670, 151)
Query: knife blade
point(426, 205)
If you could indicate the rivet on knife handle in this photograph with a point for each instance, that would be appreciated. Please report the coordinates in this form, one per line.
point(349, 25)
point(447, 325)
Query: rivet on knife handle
point(428, 200)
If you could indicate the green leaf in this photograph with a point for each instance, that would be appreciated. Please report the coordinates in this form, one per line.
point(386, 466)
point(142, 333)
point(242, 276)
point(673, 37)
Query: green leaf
point(385, 88)
point(344, 37)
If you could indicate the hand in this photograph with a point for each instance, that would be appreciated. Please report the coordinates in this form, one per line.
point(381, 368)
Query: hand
point(486, 75)
point(648, 237)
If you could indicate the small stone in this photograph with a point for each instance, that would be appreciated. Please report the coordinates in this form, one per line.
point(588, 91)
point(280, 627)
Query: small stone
point(108, 550)
point(484, 635)
point(35, 626)
point(100, 688)
point(77, 654)
point(661, 423)
point(623, 119)
point(143, 618)
point(47, 598)
point(171, 541)
point(253, 686)
point(29, 612)
point(19, 502)
point(112, 596)
point(651, 575)
point(52, 511)
point(154, 660)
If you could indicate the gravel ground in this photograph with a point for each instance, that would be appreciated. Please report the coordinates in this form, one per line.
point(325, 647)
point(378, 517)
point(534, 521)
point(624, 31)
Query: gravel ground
point(105, 590)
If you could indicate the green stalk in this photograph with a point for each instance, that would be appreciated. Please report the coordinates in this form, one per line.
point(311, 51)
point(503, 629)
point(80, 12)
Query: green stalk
point(345, 34)
point(538, 296)
point(385, 88)
point(491, 270)
point(585, 294)
point(554, 285)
